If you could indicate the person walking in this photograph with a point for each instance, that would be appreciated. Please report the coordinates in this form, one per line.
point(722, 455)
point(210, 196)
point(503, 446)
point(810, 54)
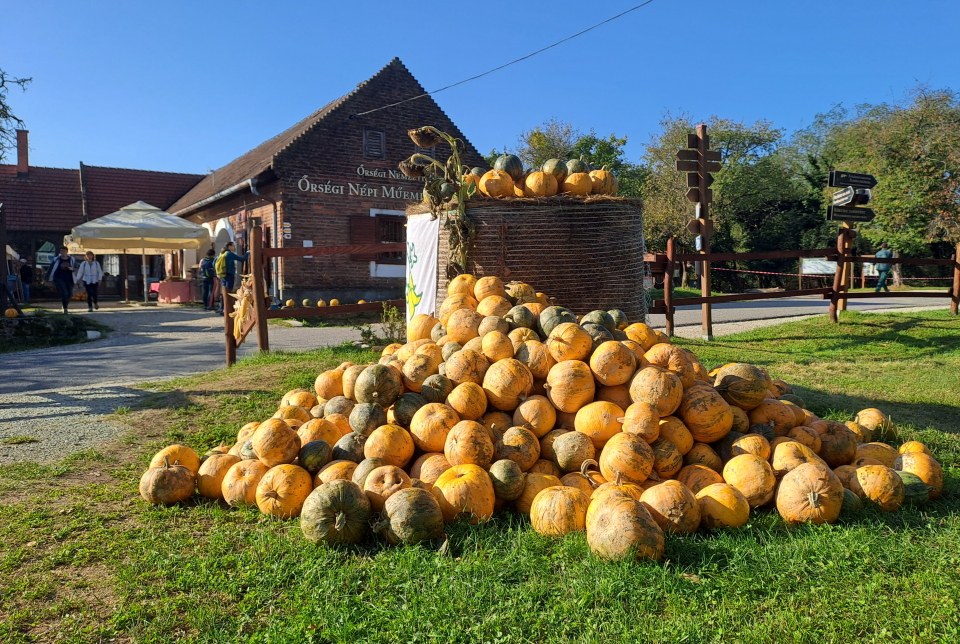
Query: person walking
point(226, 267)
point(91, 274)
point(26, 279)
point(883, 270)
point(61, 274)
point(208, 275)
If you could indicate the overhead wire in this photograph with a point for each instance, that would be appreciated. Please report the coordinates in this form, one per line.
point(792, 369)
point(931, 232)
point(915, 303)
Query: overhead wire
point(513, 62)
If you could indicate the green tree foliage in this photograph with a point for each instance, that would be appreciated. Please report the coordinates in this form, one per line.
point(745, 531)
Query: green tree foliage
point(552, 140)
point(8, 121)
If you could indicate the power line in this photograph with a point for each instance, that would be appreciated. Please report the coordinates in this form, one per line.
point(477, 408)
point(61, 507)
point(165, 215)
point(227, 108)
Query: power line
point(513, 62)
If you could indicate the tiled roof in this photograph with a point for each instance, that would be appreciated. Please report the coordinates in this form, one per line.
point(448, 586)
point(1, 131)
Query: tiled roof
point(49, 199)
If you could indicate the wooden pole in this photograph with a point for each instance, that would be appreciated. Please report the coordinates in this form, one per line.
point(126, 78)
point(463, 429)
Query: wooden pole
point(955, 298)
point(847, 272)
point(706, 227)
point(668, 287)
point(231, 342)
point(4, 293)
point(838, 276)
point(259, 289)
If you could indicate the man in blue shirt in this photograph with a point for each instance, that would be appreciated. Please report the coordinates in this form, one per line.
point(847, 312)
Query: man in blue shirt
point(61, 274)
point(226, 267)
point(883, 269)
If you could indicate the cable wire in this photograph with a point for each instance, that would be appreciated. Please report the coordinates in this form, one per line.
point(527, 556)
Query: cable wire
point(513, 62)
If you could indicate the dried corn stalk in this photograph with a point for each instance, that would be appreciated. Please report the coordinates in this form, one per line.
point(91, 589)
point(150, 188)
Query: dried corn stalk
point(244, 311)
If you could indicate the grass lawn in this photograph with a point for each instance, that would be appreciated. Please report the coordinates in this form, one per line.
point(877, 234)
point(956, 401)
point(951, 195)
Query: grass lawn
point(83, 558)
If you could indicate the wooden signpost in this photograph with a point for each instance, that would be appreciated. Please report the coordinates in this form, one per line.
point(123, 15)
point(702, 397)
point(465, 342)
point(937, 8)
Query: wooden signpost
point(699, 162)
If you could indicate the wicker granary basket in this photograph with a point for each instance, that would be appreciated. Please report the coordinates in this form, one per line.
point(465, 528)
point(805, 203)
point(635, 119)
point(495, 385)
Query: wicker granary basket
point(584, 253)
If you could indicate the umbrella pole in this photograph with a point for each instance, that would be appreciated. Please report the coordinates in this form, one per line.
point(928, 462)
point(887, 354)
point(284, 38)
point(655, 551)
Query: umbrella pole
point(126, 278)
point(143, 271)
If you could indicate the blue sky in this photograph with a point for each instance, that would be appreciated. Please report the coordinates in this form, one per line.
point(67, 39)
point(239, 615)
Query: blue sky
point(187, 86)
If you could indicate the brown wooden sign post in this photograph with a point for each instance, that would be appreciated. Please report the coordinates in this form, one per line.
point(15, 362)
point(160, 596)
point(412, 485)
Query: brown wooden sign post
point(699, 162)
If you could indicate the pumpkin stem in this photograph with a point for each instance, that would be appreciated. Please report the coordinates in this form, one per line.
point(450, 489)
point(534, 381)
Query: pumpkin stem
point(271, 494)
point(585, 470)
point(619, 480)
point(166, 462)
point(341, 522)
point(814, 499)
point(653, 476)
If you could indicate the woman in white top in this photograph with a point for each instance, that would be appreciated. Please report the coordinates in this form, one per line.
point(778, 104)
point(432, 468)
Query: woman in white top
point(91, 274)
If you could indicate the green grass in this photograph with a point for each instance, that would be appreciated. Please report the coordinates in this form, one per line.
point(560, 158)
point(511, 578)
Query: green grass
point(84, 559)
point(18, 440)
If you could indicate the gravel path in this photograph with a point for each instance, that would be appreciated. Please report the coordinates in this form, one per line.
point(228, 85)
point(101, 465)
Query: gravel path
point(57, 397)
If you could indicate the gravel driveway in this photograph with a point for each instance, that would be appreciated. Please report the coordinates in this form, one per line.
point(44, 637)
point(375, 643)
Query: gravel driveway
point(57, 397)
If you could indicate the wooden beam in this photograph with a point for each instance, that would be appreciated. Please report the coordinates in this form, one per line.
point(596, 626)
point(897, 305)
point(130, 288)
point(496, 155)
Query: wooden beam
point(744, 257)
point(335, 250)
point(743, 297)
point(320, 311)
point(864, 296)
point(259, 288)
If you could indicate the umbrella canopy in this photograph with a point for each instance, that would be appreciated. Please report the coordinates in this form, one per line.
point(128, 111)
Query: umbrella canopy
point(139, 226)
point(12, 254)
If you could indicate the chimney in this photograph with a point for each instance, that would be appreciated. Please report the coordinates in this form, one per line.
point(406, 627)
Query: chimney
point(23, 161)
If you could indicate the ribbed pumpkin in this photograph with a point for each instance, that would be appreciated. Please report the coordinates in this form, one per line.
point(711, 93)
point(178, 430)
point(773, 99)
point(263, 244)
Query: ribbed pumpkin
point(619, 528)
point(557, 168)
point(454, 303)
point(722, 506)
point(282, 491)
point(469, 443)
point(496, 183)
point(673, 429)
point(506, 383)
point(751, 444)
point(329, 384)
point(493, 305)
point(578, 183)
point(838, 445)
point(658, 387)
point(882, 452)
point(167, 483)
point(496, 346)
point(810, 492)
point(540, 184)
point(463, 325)
point(877, 422)
point(924, 466)
point(603, 182)
point(334, 471)
point(411, 516)
point(508, 480)
point(772, 412)
point(275, 443)
point(612, 363)
point(673, 506)
point(239, 484)
point(741, 384)
point(753, 476)
point(211, 474)
point(599, 421)
point(336, 512)
point(521, 335)
point(790, 455)
point(468, 400)
point(703, 454)
point(465, 490)
point(534, 483)
point(705, 413)
point(391, 443)
point(558, 511)
point(807, 436)
point(569, 341)
point(667, 459)
point(627, 456)
point(674, 359)
point(914, 446)
point(553, 316)
point(462, 284)
point(431, 467)
point(417, 369)
point(466, 366)
point(430, 426)
point(348, 381)
point(643, 420)
point(536, 357)
point(378, 384)
point(696, 476)
point(383, 482)
point(420, 326)
point(880, 484)
point(518, 444)
point(434, 389)
point(571, 449)
point(181, 454)
point(301, 397)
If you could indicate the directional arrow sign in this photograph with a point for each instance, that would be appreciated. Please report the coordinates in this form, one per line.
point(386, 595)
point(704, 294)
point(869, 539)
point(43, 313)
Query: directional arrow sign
point(846, 213)
point(843, 197)
point(687, 166)
point(842, 179)
point(688, 155)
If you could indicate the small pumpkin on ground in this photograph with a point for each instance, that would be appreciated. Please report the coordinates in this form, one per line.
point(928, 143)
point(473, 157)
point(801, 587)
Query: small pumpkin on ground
point(181, 454)
point(411, 516)
point(336, 512)
point(810, 492)
point(673, 506)
point(705, 413)
point(239, 485)
point(167, 483)
point(753, 476)
point(283, 490)
point(619, 527)
point(722, 506)
point(558, 511)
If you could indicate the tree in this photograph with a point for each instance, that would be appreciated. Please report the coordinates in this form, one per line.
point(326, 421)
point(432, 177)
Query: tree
point(552, 140)
point(8, 120)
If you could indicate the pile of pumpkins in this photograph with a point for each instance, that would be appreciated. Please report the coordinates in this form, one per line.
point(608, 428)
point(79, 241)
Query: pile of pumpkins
point(504, 402)
point(574, 177)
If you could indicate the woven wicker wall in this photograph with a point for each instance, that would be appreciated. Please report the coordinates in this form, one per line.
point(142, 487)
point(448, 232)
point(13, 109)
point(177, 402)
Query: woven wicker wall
point(585, 254)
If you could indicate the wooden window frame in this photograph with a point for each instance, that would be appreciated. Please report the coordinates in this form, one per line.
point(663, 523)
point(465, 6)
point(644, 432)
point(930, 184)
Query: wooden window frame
point(394, 220)
point(366, 141)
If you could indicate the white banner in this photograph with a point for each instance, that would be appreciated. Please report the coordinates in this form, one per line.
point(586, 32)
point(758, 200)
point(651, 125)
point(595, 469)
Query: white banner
point(813, 266)
point(423, 242)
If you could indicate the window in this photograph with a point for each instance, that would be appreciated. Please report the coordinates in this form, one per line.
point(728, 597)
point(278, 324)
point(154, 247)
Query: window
point(374, 144)
point(391, 229)
point(429, 152)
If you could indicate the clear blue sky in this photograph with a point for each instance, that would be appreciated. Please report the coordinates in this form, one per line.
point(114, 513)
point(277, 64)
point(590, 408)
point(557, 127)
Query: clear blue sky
point(187, 86)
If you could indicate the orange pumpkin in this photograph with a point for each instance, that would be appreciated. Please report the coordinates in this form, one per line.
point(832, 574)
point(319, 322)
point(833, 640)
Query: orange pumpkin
point(452, 304)
point(522, 334)
point(914, 446)
point(810, 492)
point(838, 445)
point(487, 286)
point(534, 484)
point(603, 182)
point(177, 454)
point(547, 441)
point(506, 383)
point(806, 436)
point(673, 506)
point(643, 420)
point(519, 445)
point(599, 421)
point(494, 305)
point(705, 413)
point(544, 466)
point(612, 363)
point(335, 471)
point(319, 429)
point(751, 444)
point(571, 450)
point(775, 413)
point(742, 385)
point(211, 474)
point(569, 341)
point(536, 414)
point(668, 356)
point(578, 183)
point(417, 369)
point(282, 491)
point(540, 184)
point(658, 387)
point(463, 325)
point(239, 485)
point(246, 432)
point(696, 477)
point(497, 184)
point(673, 429)
point(495, 423)
point(465, 490)
point(167, 484)
point(642, 334)
point(275, 443)
point(753, 476)
point(741, 423)
point(925, 467)
point(881, 452)
point(536, 357)
point(877, 422)
point(468, 400)
point(880, 484)
point(667, 459)
point(431, 466)
point(469, 443)
point(463, 283)
point(558, 511)
point(329, 384)
point(703, 454)
point(570, 385)
point(430, 426)
point(420, 326)
point(619, 395)
point(466, 366)
point(382, 483)
point(391, 443)
point(627, 456)
point(722, 506)
point(619, 527)
point(496, 346)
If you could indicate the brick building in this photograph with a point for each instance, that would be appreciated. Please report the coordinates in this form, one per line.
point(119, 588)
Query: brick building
point(331, 180)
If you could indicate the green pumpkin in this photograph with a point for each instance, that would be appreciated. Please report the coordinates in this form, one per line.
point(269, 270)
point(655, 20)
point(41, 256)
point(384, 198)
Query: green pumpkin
point(795, 399)
point(553, 316)
point(602, 318)
point(916, 492)
point(511, 164)
point(852, 505)
point(436, 388)
point(520, 316)
point(366, 417)
point(508, 480)
point(577, 165)
point(336, 512)
point(557, 168)
point(599, 334)
point(724, 446)
point(246, 451)
point(349, 448)
point(619, 319)
point(314, 455)
point(437, 333)
point(411, 516)
point(407, 405)
point(478, 172)
point(448, 350)
point(366, 466)
point(338, 405)
point(378, 384)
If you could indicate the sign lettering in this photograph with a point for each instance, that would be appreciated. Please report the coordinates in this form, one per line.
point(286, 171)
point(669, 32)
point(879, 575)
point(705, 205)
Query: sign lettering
point(360, 189)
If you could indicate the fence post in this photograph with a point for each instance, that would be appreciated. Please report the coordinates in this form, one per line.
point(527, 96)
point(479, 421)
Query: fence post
point(668, 287)
point(231, 342)
point(259, 290)
point(838, 276)
point(955, 297)
point(846, 273)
